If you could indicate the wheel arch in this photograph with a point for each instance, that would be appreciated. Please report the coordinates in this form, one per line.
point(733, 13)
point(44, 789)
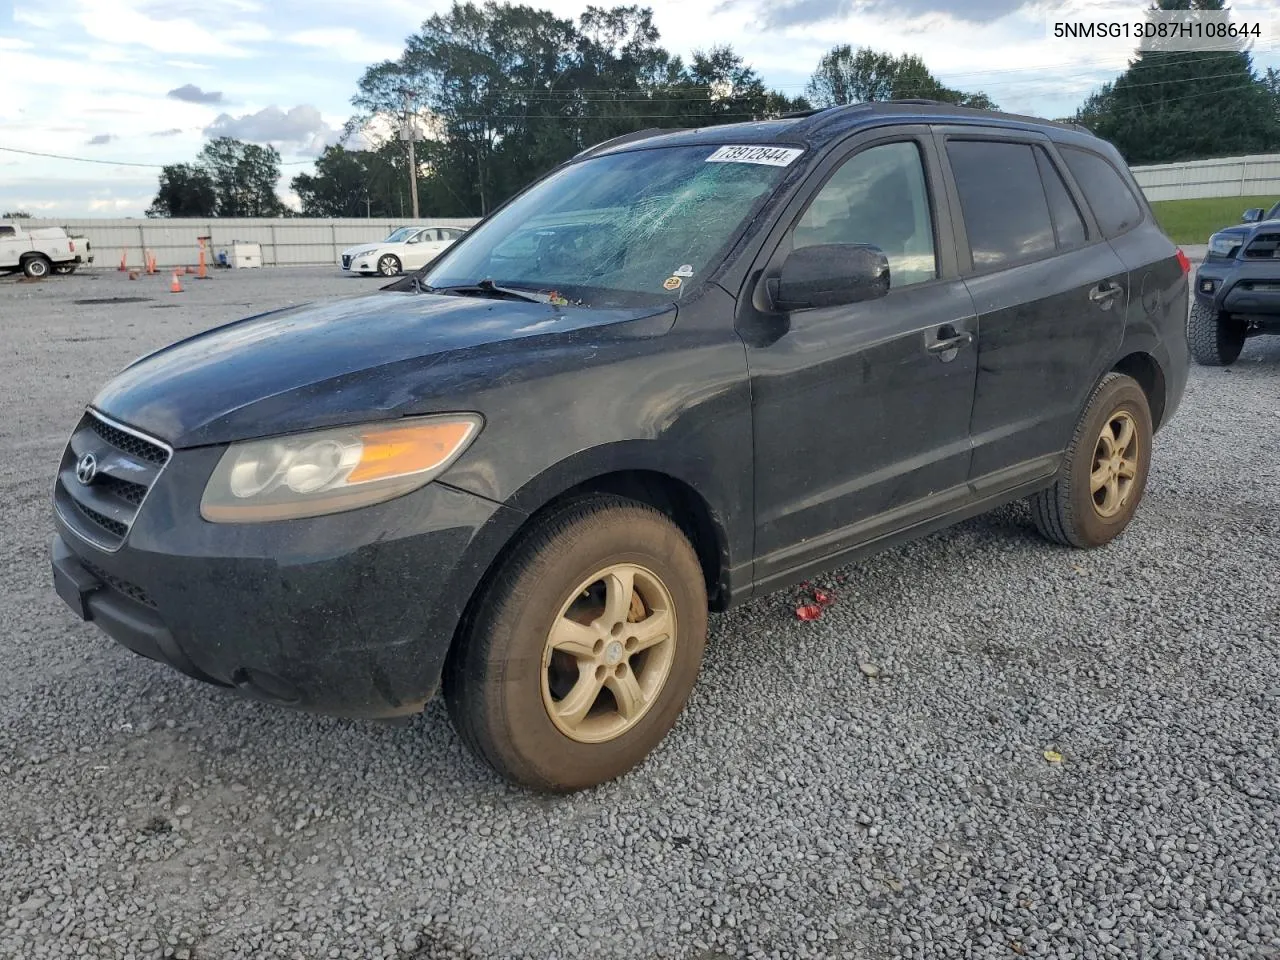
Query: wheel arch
point(632, 469)
point(683, 504)
point(1146, 369)
point(671, 495)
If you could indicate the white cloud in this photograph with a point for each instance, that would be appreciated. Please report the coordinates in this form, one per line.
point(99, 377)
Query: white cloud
point(303, 128)
point(346, 43)
point(121, 22)
point(40, 21)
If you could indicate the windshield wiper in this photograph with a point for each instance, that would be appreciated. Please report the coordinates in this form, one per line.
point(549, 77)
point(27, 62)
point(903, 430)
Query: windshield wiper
point(488, 288)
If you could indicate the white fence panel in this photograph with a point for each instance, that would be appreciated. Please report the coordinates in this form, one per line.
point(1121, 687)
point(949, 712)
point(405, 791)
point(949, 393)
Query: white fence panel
point(1257, 175)
point(291, 241)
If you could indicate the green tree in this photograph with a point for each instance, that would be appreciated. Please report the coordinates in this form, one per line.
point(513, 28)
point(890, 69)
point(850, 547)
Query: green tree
point(186, 190)
point(1169, 106)
point(515, 91)
point(16, 215)
point(245, 177)
point(229, 178)
point(845, 75)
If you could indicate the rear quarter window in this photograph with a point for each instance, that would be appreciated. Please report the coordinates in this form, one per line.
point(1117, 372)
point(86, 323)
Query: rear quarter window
point(1113, 203)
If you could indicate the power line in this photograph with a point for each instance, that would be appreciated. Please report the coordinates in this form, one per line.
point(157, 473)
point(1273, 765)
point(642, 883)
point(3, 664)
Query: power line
point(115, 163)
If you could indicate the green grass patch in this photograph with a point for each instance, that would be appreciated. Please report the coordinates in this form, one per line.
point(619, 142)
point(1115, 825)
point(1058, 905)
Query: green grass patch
point(1191, 221)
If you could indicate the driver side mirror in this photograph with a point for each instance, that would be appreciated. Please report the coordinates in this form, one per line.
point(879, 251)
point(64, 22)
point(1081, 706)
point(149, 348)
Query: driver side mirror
point(1252, 215)
point(830, 275)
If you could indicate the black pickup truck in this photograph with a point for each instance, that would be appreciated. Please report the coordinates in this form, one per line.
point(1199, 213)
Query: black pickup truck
point(1237, 288)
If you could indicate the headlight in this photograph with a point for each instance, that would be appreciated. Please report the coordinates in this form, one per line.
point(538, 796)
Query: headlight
point(327, 471)
point(1221, 245)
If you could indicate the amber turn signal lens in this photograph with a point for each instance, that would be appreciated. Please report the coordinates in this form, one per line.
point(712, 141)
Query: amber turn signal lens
point(396, 451)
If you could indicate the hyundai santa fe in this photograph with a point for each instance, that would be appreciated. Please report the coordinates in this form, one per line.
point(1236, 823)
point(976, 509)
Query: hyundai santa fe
point(683, 369)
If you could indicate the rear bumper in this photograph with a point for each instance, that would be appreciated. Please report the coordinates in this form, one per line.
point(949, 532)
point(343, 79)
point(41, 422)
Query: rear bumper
point(350, 615)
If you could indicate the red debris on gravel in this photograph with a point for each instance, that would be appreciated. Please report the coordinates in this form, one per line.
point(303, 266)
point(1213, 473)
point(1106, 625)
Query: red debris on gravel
point(808, 611)
point(824, 598)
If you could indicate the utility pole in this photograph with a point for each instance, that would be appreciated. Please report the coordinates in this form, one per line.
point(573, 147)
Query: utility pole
point(410, 133)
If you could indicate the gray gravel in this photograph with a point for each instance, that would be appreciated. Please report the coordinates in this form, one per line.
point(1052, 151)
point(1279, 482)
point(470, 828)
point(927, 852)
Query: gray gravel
point(872, 784)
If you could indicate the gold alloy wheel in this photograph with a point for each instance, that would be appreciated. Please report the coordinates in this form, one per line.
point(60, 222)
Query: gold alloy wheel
point(1115, 465)
point(609, 653)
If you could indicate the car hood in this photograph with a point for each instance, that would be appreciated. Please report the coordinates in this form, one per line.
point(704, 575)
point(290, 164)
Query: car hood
point(1245, 229)
point(349, 360)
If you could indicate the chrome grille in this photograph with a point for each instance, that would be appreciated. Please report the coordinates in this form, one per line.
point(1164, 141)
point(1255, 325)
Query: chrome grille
point(126, 464)
point(130, 443)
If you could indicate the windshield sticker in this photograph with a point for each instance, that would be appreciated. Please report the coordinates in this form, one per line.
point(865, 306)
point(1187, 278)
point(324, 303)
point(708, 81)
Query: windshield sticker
point(768, 156)
point(672, 283)
point(685, 270)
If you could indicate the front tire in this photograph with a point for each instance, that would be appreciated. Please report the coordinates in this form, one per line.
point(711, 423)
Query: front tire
point(37, 268)
point(1214, 338)
point(1104, 474)
point(389, 265)
point(578, 655)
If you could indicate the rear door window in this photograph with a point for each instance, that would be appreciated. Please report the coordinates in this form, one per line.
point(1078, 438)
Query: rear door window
point(1067, 222)
point(1006, 213)
point(1113, 203)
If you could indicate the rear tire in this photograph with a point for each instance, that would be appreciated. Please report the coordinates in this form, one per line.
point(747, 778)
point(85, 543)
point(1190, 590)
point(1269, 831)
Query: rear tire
point(389, 265)
point(1214, 338)
point(1104, 473)
point(37, 268)
point(549, 628)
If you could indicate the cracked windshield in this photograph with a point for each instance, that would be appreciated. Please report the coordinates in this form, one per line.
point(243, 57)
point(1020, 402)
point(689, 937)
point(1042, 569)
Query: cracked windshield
point(627, 229)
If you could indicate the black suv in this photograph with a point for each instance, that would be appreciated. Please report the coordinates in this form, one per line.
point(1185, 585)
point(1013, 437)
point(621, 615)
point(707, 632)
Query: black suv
point(682, 370)
point(1237, 288)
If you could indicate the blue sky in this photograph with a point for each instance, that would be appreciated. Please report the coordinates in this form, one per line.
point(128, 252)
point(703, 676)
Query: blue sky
point(146, 81)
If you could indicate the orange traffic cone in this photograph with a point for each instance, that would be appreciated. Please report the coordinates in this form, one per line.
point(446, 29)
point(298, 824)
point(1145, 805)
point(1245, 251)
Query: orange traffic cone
point(176, 286)
point(149, 259)
point(202, 273)
point(124, 259)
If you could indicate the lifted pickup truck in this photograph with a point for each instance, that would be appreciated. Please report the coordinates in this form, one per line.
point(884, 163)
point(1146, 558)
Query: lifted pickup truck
point(39, 251)
point(1237, 289)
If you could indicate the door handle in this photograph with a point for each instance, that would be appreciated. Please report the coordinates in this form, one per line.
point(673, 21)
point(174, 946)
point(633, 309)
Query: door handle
point(949, 340)
point(1104, 292)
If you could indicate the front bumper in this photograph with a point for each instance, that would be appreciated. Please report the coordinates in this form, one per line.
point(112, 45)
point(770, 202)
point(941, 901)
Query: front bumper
point(1242, 287)
point(361, 263)
point(350, 614)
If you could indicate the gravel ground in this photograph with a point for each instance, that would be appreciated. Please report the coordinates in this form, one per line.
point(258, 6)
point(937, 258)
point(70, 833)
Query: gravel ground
point(800, 809)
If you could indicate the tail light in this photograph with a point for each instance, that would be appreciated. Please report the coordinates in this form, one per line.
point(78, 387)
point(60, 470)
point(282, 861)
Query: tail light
point(72, 245)
point(1183, 262)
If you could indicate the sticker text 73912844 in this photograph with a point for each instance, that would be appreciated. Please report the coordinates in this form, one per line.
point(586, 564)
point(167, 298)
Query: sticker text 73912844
point(769, 156)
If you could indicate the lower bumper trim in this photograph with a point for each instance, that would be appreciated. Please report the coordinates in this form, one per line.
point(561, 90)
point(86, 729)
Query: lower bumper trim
point(126, 621)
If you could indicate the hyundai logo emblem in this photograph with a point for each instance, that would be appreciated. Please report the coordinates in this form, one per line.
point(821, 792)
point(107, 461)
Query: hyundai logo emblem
point(87, 468)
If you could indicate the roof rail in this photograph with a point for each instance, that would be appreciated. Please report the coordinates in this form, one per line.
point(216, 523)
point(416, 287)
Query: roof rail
point(624, 138)
point(797, 114)
point(924, 102)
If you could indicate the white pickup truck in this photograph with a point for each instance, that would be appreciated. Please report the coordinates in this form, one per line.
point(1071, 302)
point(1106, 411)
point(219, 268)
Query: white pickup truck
point(40, 250)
